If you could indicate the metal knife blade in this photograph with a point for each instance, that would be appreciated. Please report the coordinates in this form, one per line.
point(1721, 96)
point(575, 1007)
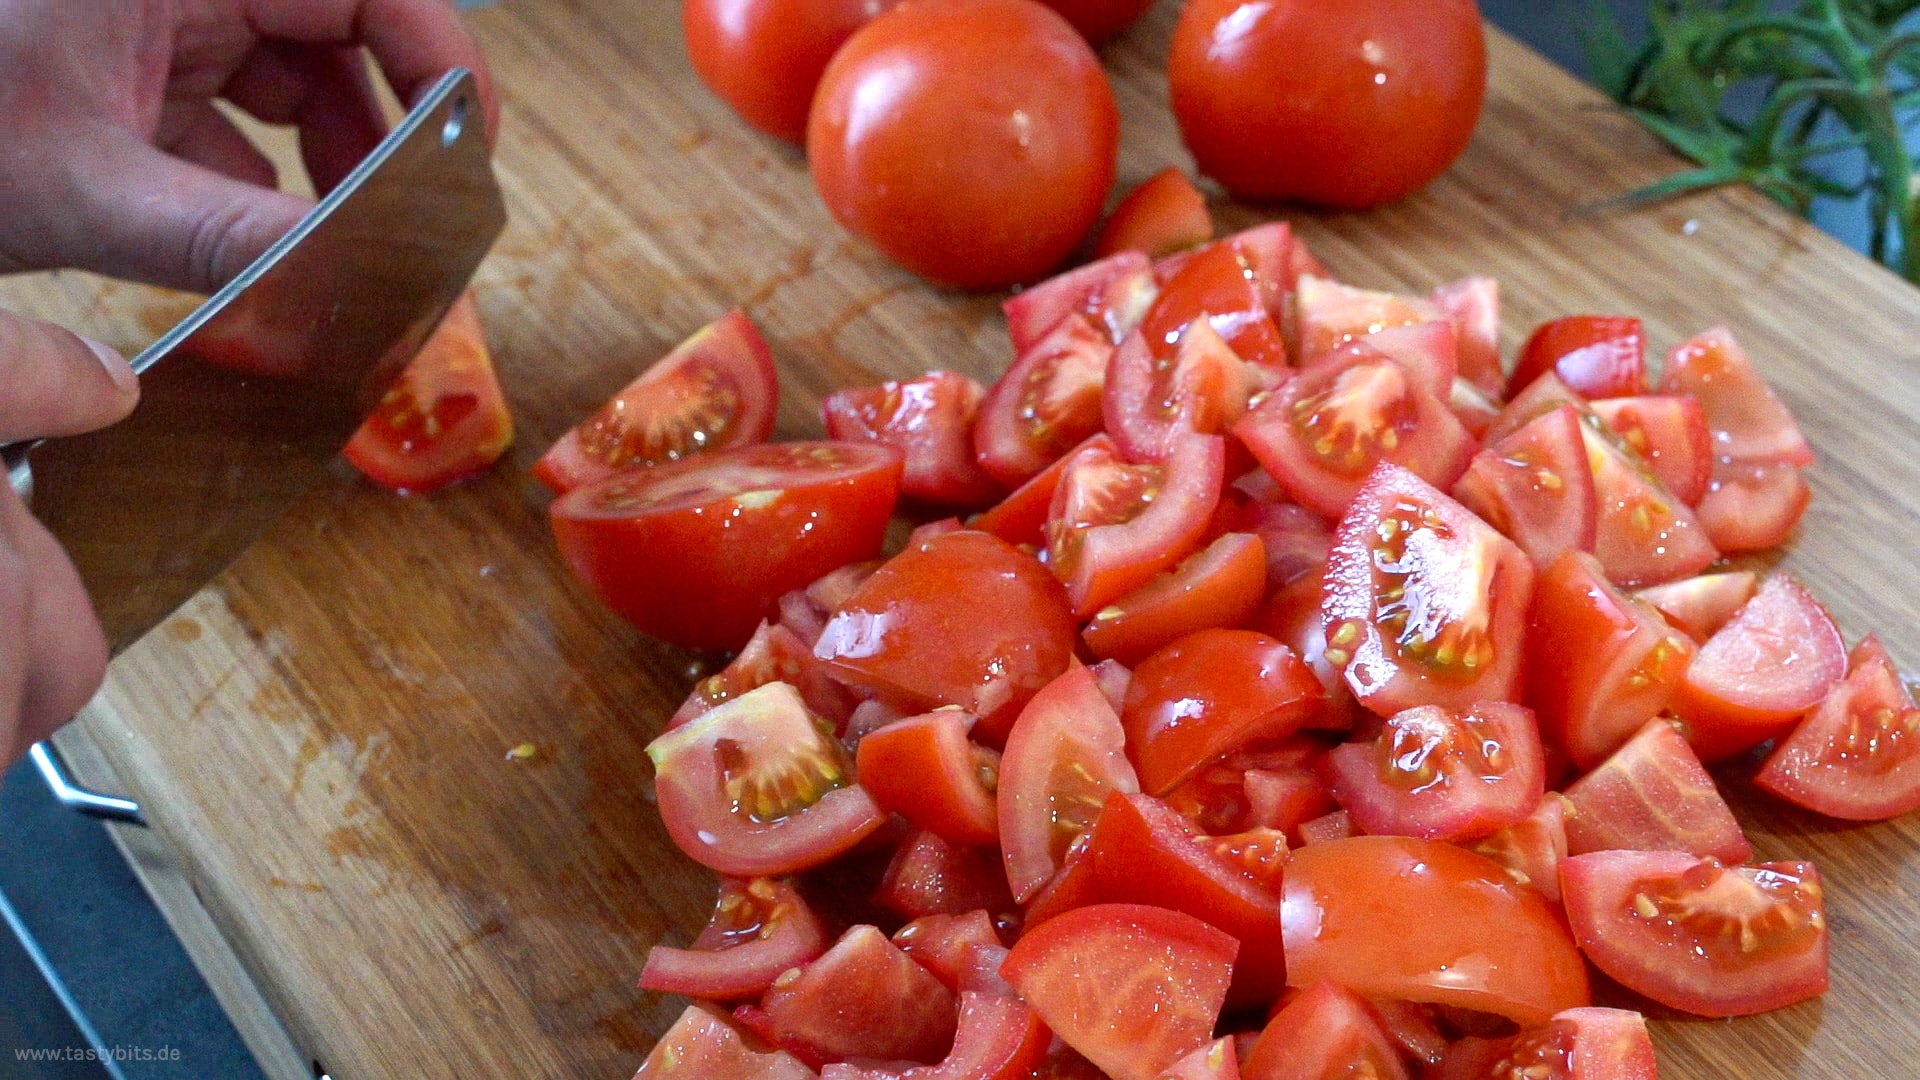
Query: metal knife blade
point(154, 507)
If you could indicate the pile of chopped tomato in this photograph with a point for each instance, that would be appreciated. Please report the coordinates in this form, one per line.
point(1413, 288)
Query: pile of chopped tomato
point(1277, 618)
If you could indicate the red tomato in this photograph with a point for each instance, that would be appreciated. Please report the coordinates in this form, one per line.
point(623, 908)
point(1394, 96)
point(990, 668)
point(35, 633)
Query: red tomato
point(945, 944)
point(714, 390)
point(1114, 293)
point(1473, 305)
point(1531, 851)
point(1425, 604)
point(1348, 105)
point(1749, 424)
point(1695, 935)
point(1699, 606)
point(1064, 756)
point(1133, 988)
point(805, 611)
point(1217, 1060)
point(1772, 663)
point(703, 1044)
point(999, 1038)
point(773, 654)
point(963, 620)
point(1270, 786)
point(1670, 434)
point(1219, 586)
point(1430, 351)
point(1653, 795)
point(1645, 534)
point(863, 975)
point(1165, 214)
point(1208, 694)
point(924, 769)
point(1753, 507)
point(1297, 539)
point(1328, 314)
point(1021, 518)
point(1443, 775)
point(930, 876)
point(1599, 356)
point(1535, 486)
point(697, 552)
point(1326, 1032)
point(765, 57)
point(759, 929)
point(1423, 920)
point(1579, 1044)
point(754, 788)
point(444, 419)
point(1099, 20)
point(973, 141)
point(1045, 404)
point(1149, 403)
point(930, 420)
point(1857, 757)
point(1221, 283)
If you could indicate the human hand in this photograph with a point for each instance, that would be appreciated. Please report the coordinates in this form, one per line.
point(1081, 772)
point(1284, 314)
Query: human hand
point(113, 157)
point(52, 654)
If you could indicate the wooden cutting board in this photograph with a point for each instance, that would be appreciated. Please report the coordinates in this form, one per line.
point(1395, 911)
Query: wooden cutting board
point(323, 733)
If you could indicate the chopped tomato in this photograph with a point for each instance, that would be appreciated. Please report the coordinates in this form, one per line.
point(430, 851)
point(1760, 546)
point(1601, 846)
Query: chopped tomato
point(1326, 1032)
point(1021, 518)
point(1653, 795)
point(1430, 351)
point(1645, 534)
point(1330, 314)
point(1578, 1044)
point(1296, 539)
point(1753, 507)
point(1535, 486)
point(755, 788)
point(698, 552)
point(998, 1038)
point(1700, 606)
point(1443, 775)
point(1045, 404)
point(759, 929)
point(1165, 214)
point(1292, 615)
point(1220, 284)
point(1202, 386)
point(1064, 756)
point(964, 619)
point(1670, 434)
point(930, 420)
point(944, 944)
point(1771, 664)
point(1219, 586)
point(1425, 604)
point(1857, 757)
point(1133, 988)
point(1473, 304)
point(931, 876)
point(862, 975)
point(1273, 785)
point(444, 418)
point(1531, 850)
point(715, 390)
point(1423, 920)
point(703, 1044)
point(1695, 935)
point(1114, 292)
point(1599, 356)
point(1210, 693)
point(1326, 828)
point(773, 654)
point(1473, 408)
point(1217, 1060)
point(925, 769)
point(1748, 422)
point(805, 611)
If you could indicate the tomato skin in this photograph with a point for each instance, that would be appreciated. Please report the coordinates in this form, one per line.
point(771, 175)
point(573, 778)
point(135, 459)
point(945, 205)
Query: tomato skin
point(924, 769)
point(1222, 284)
point(1443, 775)
point(444, 419)
point(1165, 214)
point(765, 57)
point(1103, 552)
point(1653, 795)
point(1351, 905)
point(911, 148)
point(998, 1038)
point(773, 654)
point(1692, 934)
point(1064, 756)
point(863, 974)
point(1328, 1031)
point(1857, 756)
point(1218, 586)
point(1098, 20)
point(1753, 507)
point(699, 551)
point(1208, 694)
point(1045, 404)
point(701, 1043)
point(1203, 387)
point(1771, 664)
point(930, 419)
point(759, 929)
point(1599, 356)
point(1346, 106)
point(1021, 517)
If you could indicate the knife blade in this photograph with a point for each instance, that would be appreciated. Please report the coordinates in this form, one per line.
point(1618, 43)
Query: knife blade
point(153, 508)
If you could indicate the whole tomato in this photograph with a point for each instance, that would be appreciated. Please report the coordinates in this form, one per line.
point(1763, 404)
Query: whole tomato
point(764, 57)
point(973, 141)
point(1345, 105)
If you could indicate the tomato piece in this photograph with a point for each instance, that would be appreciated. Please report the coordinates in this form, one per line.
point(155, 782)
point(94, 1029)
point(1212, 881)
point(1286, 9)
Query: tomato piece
point(444, 418)
point(1542, 396)
point(1045, 404)
point(773, 654)
point(1425, 604)
point(1210, 693)
point(1165, 214)
point(1021, 517)
point(1670, 434)
point(1326, 1033)
point(805, 611)
point(1113, 678)
point(1098, 20)
point(931, 876)
point(1292, 615)
point(1131, 987)
point(1753, 507)
point(908, 153)
point(1348, 106)
point(1530, 851)
point(1217, 1060)
point(1274, 785)
point(1326, 828)
point(1329, 314)
point(1699, 606)
point(703, 1044)
point(1645, 534)
point(1599, 356)
point(1535, 486)
point(945, 944)
point(1579, 1044)
point(1748, 422)
point(715, 390)
point(1260, 853)
point(1113, 527)
point(863, 975)
point(1695, 935)
point(759, 929)
point(765, 57)
point(964, 619)
point(998, 1038)
point(1218, 586)
point(1857, 756)
point(924, 769)
point(1114, 293)
point(1064, 756)
point(1653, 795)
point(1430, 351)
point(1473, 306)
point(1472, 407)
point(1296, 539)
point(1423, 920)
point(1218, 283)
point(698, 552)
point(1443, 775)
point(755, 788)
point(1599, 663)
point(930, 421)
point(1204, 387)
point(1771, 664)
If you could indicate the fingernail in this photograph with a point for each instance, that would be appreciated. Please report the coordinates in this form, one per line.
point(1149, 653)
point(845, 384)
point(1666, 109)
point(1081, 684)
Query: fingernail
point(117, 367)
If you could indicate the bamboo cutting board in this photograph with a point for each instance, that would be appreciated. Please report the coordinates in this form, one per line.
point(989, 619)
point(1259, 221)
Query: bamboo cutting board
point(322, 733)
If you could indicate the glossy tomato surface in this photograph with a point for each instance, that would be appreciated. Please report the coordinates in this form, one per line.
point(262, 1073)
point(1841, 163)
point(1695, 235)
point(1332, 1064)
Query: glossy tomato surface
point(931, 421)
point(973, 141)
point(1099, 20)
point(1208, 694)
point(1346, 105)
point(759, 929)
point(864, 974)
point(444, 419)
point(765, 57)
point(1327, 1031)
point(1064, 757)
point(1857, 756)
point(1443, 775)
point(1163, 215)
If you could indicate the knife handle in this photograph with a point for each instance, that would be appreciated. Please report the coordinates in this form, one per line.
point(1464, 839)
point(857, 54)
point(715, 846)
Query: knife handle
point(19, 472)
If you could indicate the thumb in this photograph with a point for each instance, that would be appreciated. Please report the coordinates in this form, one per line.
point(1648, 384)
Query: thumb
point(58, 383)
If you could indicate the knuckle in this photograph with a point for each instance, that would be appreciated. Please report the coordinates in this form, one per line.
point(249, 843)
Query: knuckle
point(215, 245)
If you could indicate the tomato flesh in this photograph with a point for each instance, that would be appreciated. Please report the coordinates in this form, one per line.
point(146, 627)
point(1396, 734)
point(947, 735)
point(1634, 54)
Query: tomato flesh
point(1443, 775)
point(999, 1038)
point(1045, 404)
point(863, 974)
point(1535, 486)
point(925, 769)
point(1653, 795)
point(759, 929)
point(1064, 756)
point(1857, 756)
point(1219, 586)
point(1670, 434)
point(1210, 693)
point(1599, 356)
point(1748, 422)
point(1114, 293)
point(931, 876)
point(773, 654)
point(931, 421)
point(1325, 1033)
point(1148, 402)
point(1700, 606)
point(1753, 507)
point(1114, 526)
point(444, 419)
point(1165, 214)
point(703, 1044)
point(1220, 285)
point(1773, 662)
point(1579, 1044)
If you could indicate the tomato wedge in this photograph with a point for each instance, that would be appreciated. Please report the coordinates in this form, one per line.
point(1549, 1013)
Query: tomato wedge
point(1221, 284)
point(773, 654)
point(1165, 214)
point(1210, 693)
point(1748, 422)
point(1217, 1060)
point(1696, 935)
point(1530, 852)
point(930, 876)
point(1114, 292)
point(1443, 775)
point(1330, 314)
point(703, 1044)
point(1113, 526)
point(1328, 1031)
point(1599, 356)
point(714, 390)
point(999, 1038)
point(1202, 387)
point(1771, 664)
point(1700, 606)
point(1063, 757)
point(924, 769)
point(1219, 586)
point(759, 929)
point(1670, 434)
point(1579, 1044)
point(1653, 795)
point(1535, 486)
point(1857, 757)
point(1045, 404)
point(862, 975)
point(930, 420)
point(444, 419)
point(1753, 507)
point(1645, 535)
point(1473, 304)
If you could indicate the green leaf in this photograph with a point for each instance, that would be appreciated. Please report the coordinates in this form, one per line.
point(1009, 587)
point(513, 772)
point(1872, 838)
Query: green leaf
point(1709, 146)
point(1611, 61)
point(1680, 183)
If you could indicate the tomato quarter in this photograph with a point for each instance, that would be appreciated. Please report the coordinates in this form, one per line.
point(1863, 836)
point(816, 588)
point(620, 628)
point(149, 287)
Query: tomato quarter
point(444, 419)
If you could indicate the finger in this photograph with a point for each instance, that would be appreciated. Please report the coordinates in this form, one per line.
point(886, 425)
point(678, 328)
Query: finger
point(415, 42)
point(200, 133)
point(325, 92)
point(16, 591)
point(66, 654)
point(56, 382)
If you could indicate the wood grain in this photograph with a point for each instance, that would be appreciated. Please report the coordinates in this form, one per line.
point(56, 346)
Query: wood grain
point(322, 733)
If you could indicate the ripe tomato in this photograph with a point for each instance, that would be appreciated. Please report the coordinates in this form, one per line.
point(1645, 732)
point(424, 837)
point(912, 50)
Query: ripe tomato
point(925, 769)
point(697, 552)
point(1217, 1060)
point(1653, 795)
point(930, 419)
point(1699, 606)
point(765, 57)
point(1535, 486)
point(1599, 356)
point(1530, 852)
point(1219, 586)
point(1443, 775)
point(1749, 423)
point(703, 1044)
point(973, 141)
point(1045, 404)
point(1645, 535)
point(1163, 215)
point(945, 944)
point(773, 654)
point(1750, 506)
point(759, 929)
point(444, 419)
point(1579, 1044)
point(1328, 314)
point(1328, 1031)
point(714, 390)
point(1114, 293)
point(1346, 105)
point(1227, 285)
point(1099, 20)
point(1133, 988)
point(1064, 756)
point(930, 876)
point(1473, 306)
point(862, 975)
point(1857, 757)
point(1021, 517)
point(1208, 694)
point(1202, 386)
point(999, 1038)
point(1670, 434)
point(1423, 920)
point(1770, 665)
point(1693, 934)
